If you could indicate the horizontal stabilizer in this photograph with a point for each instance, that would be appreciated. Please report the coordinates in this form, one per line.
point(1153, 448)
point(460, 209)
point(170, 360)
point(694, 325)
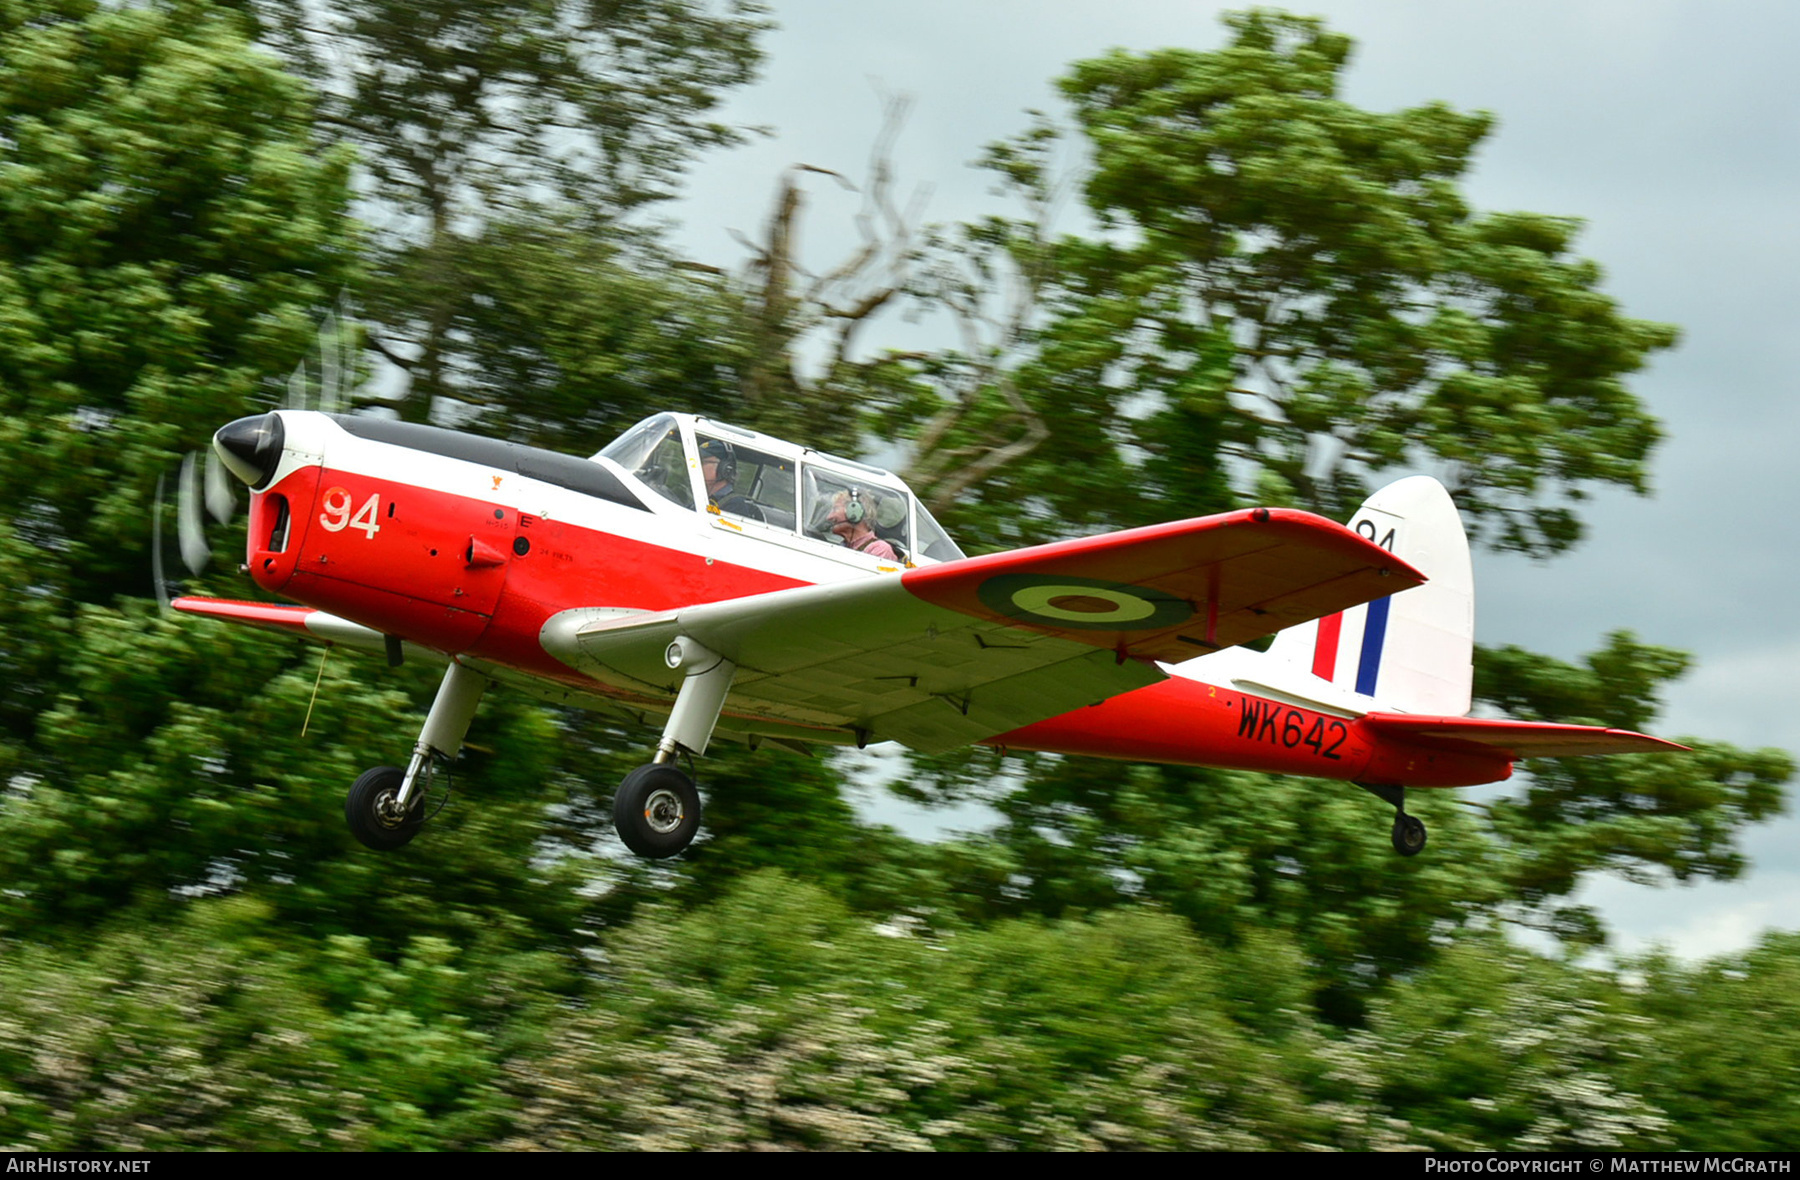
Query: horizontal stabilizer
point(1516, 739)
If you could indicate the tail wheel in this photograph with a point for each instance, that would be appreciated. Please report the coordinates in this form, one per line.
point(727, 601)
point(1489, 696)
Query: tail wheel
point(657, 810)
point(1409, 834)
point(373, 815)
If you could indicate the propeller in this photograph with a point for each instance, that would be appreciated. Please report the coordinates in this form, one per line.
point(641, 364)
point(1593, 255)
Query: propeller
point(202, 489)
point(214, 494)
point(249, 448)
point(339, 346)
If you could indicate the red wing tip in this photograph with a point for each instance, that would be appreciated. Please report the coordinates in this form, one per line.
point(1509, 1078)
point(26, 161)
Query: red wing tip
point(195, 605)
point(267, 614)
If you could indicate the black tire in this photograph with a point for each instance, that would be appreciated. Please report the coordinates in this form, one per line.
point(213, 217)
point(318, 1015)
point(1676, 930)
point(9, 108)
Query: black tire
point(1409, 835)
point(657, 810)
point(363, 810)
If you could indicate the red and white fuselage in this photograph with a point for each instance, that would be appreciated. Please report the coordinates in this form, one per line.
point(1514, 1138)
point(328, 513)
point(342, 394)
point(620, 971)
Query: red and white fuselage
point(517, 564)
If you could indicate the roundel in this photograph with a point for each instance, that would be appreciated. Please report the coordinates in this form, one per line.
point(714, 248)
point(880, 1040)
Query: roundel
point(1082, 604)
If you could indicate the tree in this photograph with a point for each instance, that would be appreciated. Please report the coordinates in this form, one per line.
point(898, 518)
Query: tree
point(470, 117)
point(572, 335)
point(167, 231)
point(1725, 1056)
point(169, 234)
point(1291, 296)
point(1496, 1048)
point(194, 955)
point(1651, 819)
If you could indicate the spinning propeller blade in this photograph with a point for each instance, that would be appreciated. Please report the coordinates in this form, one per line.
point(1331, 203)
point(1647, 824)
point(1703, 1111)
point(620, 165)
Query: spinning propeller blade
point(221, 501)
point(199, 488)
point(189, 527)
point(156, 554)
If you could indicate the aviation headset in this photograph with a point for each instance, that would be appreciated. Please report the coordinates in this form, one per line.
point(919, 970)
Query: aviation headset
point(718, 448)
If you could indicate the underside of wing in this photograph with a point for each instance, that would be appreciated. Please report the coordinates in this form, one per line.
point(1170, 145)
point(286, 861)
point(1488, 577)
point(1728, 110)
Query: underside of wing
point(1517, 739)
point(944, 656)
point(863, 657)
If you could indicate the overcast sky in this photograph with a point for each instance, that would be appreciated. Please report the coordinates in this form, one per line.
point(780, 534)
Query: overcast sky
point(1671, 128)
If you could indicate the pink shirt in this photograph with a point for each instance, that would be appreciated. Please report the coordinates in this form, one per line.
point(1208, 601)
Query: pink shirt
point(876, 547)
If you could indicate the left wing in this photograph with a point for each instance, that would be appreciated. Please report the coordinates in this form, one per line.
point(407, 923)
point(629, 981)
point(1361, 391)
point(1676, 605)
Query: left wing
point(288, 619)
point(950, 654)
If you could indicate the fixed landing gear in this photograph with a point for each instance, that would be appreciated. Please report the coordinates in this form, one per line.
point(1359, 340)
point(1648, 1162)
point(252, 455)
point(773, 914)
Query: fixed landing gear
point(1409, 830)
point(657, 810)
point(657, 807)
point(386, 805)
point(1409, 834)
point(373, 811)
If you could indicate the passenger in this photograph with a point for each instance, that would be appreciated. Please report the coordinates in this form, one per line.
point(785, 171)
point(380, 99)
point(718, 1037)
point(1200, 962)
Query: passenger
point(851, 514)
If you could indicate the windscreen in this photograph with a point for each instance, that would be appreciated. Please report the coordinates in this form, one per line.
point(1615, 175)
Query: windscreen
point(652, 450)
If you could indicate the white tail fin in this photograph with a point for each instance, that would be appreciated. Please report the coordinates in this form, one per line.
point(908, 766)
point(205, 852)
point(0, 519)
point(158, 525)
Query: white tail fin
point(1412, 652)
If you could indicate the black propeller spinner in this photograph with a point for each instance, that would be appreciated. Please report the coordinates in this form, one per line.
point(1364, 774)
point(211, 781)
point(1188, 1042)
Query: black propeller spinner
point(250, 447)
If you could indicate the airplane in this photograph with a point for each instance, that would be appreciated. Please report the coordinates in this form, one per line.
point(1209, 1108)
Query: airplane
point(717, 581)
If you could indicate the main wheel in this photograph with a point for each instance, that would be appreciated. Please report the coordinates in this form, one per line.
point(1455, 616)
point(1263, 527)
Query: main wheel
point(370, 812)
point(657, 810)
point(1409, 834)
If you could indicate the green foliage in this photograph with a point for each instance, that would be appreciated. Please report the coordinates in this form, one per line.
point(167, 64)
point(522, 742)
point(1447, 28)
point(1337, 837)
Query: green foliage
point(776, 1018)
point(225, 1031)
point(1496, 1048)
point(573, 335)
point(1296, 286)
point(172, 766)
point(1645, 817)
point(166, 231)
point(474, 119)
point(1237, 855)
point(1292, 295)
point(465, 107)
point(167, 234)
point(1725, 1059)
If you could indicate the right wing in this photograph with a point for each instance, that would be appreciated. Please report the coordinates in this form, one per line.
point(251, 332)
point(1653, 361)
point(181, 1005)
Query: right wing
point(950, 654)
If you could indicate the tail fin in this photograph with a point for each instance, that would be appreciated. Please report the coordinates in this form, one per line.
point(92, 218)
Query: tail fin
point(1408, 653)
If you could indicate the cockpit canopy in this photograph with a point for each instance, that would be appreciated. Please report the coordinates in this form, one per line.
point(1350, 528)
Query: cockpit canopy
point(703, 465)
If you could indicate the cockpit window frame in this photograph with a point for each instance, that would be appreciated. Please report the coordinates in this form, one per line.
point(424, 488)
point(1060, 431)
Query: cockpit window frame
point(825, 481)
point(852, 473)
point(633, 459)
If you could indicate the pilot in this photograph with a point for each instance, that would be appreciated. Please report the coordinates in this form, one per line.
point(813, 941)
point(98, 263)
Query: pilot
point(718, 467)
point(851, 519)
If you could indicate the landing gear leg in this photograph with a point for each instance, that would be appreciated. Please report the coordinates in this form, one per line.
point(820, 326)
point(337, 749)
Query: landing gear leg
point(657, 807)
point(385, 807)
point(1409, 830)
